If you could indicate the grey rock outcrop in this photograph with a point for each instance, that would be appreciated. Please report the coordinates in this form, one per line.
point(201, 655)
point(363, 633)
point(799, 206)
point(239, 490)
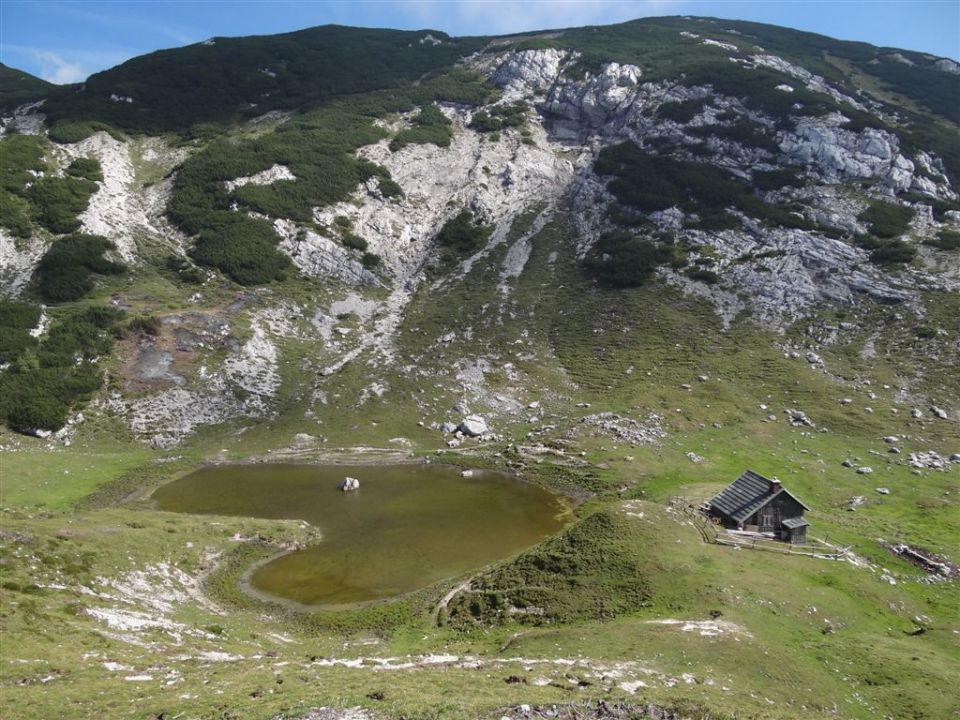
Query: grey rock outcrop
point(473, 426)
point(841, 154)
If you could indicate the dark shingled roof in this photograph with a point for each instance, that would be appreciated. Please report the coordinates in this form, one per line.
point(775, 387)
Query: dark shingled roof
point(794, 523)
point(745, 495)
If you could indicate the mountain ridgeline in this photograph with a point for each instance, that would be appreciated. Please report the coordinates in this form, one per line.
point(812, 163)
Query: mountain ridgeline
point(721, 146)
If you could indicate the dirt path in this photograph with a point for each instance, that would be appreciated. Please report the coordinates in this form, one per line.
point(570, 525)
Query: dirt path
point(442, 605)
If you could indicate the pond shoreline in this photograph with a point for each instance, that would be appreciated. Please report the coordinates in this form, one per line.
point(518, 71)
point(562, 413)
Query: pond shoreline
point(410, 527)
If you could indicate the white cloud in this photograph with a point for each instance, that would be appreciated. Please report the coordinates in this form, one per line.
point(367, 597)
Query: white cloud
point(57, 70)
point(63, 65)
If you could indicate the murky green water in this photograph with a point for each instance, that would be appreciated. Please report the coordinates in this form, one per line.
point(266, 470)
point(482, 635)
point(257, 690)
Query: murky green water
point(405, 528)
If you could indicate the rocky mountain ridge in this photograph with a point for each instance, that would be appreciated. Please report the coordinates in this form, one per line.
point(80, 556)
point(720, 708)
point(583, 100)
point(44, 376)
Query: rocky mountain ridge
point(543, 166)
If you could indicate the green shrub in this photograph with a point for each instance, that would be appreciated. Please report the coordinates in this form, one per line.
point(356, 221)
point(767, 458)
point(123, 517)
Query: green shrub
point(893, 252)
point(776, 179)
point(483, 122)
point(143, 325)
point(370, 260)
point(462, 235)
point(887, 220)
point(48, 380)
point(86, 168)
point(21, 154)
point(16, 321)
point(656, 182)
point(244, 249)
point(429, 126)
point(703, 275)
point(354, 242)
point(185, 270)
point(621, 259)
point(65, 271)
point(680, 112)
point(717, 219)
point(390, 188)
point(743, 132)
point(57, 201)
point(72, 131)
point(945, 240)
point(15, 214)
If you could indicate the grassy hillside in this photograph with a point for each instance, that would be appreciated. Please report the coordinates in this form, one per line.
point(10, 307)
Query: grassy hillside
point(18, 88)
point(222, 80)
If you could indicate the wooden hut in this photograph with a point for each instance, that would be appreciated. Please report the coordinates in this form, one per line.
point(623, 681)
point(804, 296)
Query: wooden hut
point(753, 502)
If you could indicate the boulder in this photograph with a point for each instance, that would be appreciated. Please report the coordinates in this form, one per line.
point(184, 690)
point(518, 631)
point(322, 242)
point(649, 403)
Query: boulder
point(447, 428)
point(799, 418)
point(473, 426)
point(349, 484)
point(939, 412)
point(864, 470)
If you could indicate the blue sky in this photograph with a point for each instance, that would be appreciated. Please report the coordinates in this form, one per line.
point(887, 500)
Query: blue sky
point(67, 41)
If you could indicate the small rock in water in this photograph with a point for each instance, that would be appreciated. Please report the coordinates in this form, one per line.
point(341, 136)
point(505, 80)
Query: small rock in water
point(350, 484)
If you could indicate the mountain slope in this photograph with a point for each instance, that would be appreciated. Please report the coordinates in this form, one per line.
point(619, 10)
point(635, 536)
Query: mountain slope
point(223, 80)
point(650, 256)
point(19, 88)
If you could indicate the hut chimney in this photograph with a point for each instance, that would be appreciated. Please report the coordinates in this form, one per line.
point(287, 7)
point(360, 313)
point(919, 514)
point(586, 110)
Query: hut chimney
point(775, 485)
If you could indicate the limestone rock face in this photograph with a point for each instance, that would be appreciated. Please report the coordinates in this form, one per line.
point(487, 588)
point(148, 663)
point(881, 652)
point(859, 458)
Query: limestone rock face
point(841, 154)
point(523, 71)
